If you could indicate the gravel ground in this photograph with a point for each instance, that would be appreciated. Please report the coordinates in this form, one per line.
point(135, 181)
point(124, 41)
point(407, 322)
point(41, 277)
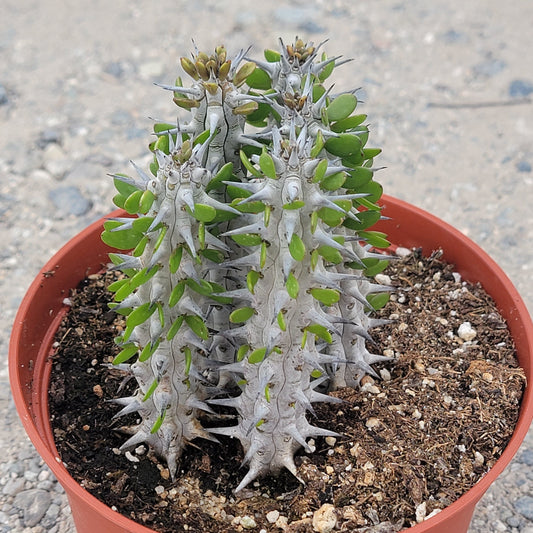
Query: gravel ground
point(447, 85)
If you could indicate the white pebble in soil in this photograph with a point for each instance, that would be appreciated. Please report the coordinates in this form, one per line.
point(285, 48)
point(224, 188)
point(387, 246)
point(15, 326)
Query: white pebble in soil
point(466, 331)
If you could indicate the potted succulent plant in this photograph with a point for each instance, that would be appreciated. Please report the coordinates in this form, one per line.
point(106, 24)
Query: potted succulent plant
point(248, 251)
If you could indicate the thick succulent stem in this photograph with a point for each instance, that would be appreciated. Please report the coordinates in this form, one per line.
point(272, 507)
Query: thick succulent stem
point(281, 216)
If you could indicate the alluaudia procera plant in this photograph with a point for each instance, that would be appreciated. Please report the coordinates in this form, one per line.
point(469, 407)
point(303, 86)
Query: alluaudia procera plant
point(250, 281)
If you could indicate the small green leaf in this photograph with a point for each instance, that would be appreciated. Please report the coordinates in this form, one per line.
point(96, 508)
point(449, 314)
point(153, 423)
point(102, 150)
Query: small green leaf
point(330, 254)
point(272, 56)
point(176, 325)
point(224, 174)
point(333, 182)
point(344, 145)
point(126, 353)
point(140, 314)
point(267, 392)
point(379, 300)
point(314, 259)
point(372, 270)
point(266, 215)
point(375, 238)
point(159, 422)
point(131, 205)
point(281, 321)
point(188, 359)
point(116, 285)
point(160, 237)
point(204, 213)
point(320, 170)
point(370, 153)
point(297, 204)
point(162, 144)
point(330, 216)
point(148, 351)
point(257, 356)
point(326, 296)
point(297, 248)
point(121, 239)
point(358, 177)
point(141, 245)
point(316, 373)
point(197, 326)
point(201, 234)
point(325, 73)
point(319, 144)
point(248, 165)
point(247, 239)
point(266, 163)
point(175, 259)
point(321, 332)
point(241, 315)
point(263, 254)
point(176, 294)
point(242, 351)
point(203, 287)
point(124, 189)
point(251, 279)
point(259, 79)
point(374, 190)
point(347, 123)
point(292, 286)
point(314, 221)
point(213, 255)
point(366, 219)
point(119, 200)
point(341, 107)
point(151, 390)
point(141, 224)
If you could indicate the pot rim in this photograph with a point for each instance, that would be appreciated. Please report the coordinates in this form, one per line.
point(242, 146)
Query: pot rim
point(401, 212)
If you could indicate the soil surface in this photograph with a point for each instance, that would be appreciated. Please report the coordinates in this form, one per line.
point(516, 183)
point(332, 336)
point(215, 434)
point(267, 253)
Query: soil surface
point(412, 442)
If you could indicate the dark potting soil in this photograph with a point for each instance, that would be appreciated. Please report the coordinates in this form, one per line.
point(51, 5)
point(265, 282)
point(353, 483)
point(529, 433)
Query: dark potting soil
point(412, 442)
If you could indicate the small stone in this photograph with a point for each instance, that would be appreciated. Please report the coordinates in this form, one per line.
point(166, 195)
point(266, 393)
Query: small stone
point(248, 522)
point(34, 503)
point(466, 331)
point(369, 387)
point(282, 522)
point(383, 279)
point(49, 136)
point(130, 457)
point(372, 422)
point(520, 88)
point(330, 441)
point(457, 277)
point(70, 200)
point(272, 516)
point(159, 490)
point(487, 376)
point(402, 327)
point(403, 252)
point(420, 512)
point(325, 518)
point(3, 95)
point(524, 506)
point(479, 460)
point(329, 470)
point(385, 374)
point(13, 486)
point(523, 166)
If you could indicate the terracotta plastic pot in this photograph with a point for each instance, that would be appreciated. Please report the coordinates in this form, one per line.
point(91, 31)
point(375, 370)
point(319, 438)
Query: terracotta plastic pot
point(42, 310)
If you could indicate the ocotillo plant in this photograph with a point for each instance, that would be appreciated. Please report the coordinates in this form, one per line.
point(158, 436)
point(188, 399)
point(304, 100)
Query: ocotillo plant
point(250, 281)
